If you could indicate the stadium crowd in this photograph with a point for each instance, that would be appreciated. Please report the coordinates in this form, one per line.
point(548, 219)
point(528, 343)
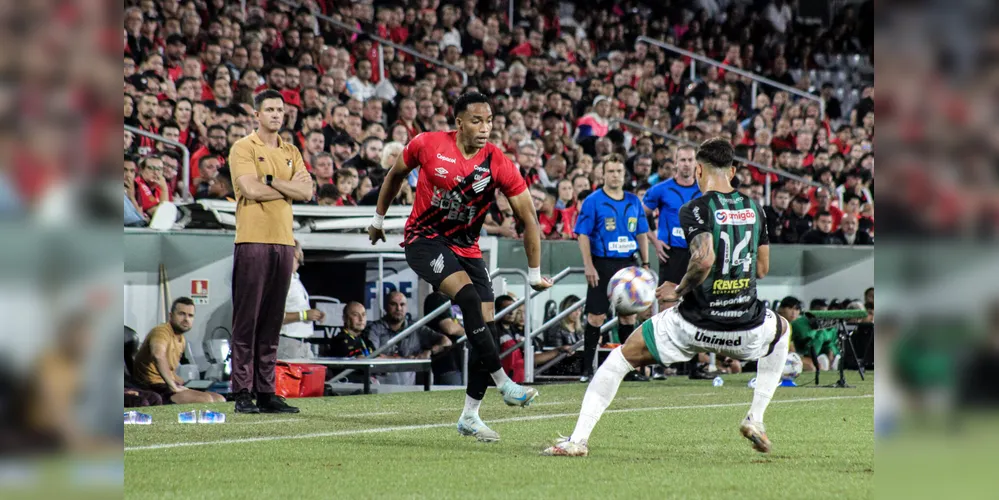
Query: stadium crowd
point(557, 82)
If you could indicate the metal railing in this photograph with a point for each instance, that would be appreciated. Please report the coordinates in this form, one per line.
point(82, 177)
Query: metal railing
point(399, 337)
point(547, 324)
point(384, 42)
point(740, 159)
point(557, 359)
point(185, 169)
point(431, 315)
point(757, 79)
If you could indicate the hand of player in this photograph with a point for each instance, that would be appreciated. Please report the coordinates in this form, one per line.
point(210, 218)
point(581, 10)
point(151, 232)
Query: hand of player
point(661, 249)
point(375, 234)
point(567, 349)
point(592, 278)
point(667, 292)
point(315, 315)
point(544, 284)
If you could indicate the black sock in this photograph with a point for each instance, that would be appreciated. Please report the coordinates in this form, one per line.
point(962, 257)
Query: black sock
point(624, 331)
point(480, 336)
point(591, 336)
point(478, 376)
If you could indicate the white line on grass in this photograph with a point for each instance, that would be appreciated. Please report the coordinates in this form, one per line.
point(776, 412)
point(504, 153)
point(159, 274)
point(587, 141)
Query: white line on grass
point(378, 430)
point(548, 403)
point(275, 421)
point(376, 414)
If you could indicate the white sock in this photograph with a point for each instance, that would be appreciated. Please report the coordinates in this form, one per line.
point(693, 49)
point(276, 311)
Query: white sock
point(768, 373)
point(835, 363)
point(823, 362)
point(599, 394)
point(471, 406)
point(499, 377)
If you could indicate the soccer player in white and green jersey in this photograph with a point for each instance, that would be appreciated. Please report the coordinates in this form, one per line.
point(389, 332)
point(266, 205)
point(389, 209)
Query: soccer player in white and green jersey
point(718, 310)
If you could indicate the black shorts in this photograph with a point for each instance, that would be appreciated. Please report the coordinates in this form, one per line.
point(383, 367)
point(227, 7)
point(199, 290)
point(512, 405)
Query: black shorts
point(672, 270)
point(162, 390)
point(597, 301)
point(433, 261)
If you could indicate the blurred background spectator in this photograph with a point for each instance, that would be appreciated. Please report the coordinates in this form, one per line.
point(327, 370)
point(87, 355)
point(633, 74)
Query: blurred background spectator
point(558, 80)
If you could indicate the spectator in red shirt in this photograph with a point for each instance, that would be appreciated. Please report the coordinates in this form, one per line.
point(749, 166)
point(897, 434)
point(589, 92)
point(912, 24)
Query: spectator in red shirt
point(322, 169)
point(150, 186)
point(275, 79)
point(344, 180)
point(823, 203)
point(407, 117)
point(315, 143)
point(217, 146)
point(147, 108)
point(549, 218)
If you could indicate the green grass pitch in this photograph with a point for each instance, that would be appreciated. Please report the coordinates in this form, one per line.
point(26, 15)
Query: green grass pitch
point(663, 439)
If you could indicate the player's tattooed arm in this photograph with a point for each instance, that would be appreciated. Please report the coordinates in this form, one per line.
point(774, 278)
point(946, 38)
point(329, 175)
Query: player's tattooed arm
point(702, 257)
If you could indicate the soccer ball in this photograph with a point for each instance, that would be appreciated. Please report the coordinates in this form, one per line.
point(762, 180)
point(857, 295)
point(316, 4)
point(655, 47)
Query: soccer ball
point(631, 290)
point(792, 366)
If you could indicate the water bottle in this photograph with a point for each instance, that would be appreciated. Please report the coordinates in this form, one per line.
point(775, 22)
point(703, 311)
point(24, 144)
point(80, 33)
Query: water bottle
point(718, 382)
point(752, 383)
point(134, 417)
point(211, 417)
point(187, 417)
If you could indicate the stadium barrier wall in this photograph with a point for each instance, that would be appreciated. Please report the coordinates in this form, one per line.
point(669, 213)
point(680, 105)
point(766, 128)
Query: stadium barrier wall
point(804, 271)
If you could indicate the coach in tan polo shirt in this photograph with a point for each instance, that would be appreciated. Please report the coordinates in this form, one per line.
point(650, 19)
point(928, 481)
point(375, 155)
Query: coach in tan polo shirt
point(267, 175)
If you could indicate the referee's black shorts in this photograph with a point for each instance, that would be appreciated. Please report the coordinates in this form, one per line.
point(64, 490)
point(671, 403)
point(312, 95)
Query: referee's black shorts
point(432, 261)
point(597, 301)
point(675, 267)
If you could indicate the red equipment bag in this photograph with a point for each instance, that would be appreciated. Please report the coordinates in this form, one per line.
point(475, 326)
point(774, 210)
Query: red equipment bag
point(313, 381)
point(287, 380)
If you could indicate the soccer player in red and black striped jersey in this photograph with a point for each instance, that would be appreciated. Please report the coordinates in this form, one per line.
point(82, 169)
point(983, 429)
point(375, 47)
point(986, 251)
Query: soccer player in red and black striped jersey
point(459, 174)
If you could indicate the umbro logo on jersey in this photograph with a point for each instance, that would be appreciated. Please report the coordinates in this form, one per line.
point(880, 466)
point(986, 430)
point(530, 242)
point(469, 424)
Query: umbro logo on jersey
point(440, 172)
point(445, 158)
point(480, 185)
point(438, 264)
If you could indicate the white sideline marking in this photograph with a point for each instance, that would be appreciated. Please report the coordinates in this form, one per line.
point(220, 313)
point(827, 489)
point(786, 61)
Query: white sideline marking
point(376, 414)
point(276, 421)
point(548, 403)
point(379, 430)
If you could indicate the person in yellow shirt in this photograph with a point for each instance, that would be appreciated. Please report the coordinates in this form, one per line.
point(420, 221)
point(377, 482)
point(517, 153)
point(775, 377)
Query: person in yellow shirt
point(159, 356)
point(268, 174)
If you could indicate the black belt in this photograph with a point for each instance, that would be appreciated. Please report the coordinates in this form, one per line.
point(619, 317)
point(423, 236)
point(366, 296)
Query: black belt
point(301, 339)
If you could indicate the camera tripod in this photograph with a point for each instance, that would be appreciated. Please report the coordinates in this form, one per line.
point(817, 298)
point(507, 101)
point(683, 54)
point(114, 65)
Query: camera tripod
point(843, 337)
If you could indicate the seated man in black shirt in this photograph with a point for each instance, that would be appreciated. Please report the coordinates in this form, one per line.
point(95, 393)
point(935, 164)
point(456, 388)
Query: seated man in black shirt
point(822, 233)
point(798, 222)
point(350, 343)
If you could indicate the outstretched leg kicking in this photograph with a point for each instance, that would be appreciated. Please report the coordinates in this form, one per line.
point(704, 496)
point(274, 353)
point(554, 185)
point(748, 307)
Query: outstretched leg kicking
point(601, 391)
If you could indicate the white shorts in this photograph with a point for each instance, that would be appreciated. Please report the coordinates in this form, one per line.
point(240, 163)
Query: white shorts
point(672, 339)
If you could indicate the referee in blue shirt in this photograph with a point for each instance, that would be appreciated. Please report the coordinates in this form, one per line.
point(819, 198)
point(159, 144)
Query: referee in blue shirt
point(611, 227)
point(667, 197)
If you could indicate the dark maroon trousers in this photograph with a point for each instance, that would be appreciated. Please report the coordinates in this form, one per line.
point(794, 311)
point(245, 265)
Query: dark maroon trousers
point(261, 275)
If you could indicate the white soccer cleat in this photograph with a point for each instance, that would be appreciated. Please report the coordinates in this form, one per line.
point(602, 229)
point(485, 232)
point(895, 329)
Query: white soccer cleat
point(756, 433)
point(472, 425)
point(517, 395)
point(566, 448)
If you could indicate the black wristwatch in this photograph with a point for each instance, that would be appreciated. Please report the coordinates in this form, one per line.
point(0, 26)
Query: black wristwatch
point(268, 179)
